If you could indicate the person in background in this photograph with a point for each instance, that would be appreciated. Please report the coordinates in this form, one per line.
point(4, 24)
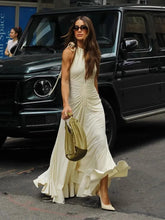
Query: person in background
point(15, 34)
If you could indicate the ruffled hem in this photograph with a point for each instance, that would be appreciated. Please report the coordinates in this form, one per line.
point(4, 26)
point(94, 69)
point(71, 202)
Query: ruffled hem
point(90, 183)
point(88, 186)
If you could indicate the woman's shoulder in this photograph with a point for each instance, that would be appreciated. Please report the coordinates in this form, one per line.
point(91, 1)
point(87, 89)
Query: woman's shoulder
point(10, 41)
point(69, 51)
point(71, 46)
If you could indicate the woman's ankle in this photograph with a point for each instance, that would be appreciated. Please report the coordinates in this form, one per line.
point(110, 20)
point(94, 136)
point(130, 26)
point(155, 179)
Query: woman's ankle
point(104, 197)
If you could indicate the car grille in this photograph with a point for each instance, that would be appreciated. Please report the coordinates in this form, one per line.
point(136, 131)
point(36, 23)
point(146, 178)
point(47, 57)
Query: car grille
point(7, 96)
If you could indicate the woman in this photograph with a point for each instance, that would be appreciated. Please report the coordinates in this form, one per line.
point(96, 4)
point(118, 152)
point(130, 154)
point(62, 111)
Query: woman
point(15, 35)
point(92, 174)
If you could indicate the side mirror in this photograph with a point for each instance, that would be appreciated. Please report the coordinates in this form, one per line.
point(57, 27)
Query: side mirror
point(130, 44)
point(127, 45)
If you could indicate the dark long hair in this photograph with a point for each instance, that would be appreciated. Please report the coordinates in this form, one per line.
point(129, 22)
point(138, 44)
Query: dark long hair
point(91, 48)
point(18, 30)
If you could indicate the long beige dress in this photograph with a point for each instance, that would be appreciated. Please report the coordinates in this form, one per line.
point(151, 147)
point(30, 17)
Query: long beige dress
point(66, 178)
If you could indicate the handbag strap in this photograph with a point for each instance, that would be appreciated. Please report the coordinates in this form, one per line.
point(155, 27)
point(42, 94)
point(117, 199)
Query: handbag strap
point(70, 114)
point(59, 76)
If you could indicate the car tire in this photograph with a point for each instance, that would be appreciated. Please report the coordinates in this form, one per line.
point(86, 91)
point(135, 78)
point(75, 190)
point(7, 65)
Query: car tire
point(111, 125)
point(2, 140)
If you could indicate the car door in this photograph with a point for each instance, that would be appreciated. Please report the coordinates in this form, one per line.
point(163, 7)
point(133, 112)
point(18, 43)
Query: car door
point(137, 81)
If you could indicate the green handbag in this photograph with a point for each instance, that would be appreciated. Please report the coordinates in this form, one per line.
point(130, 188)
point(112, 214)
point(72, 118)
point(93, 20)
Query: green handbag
point(75, 140)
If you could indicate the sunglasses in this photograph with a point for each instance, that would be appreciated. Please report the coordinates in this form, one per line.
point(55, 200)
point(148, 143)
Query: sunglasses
point(82, 27)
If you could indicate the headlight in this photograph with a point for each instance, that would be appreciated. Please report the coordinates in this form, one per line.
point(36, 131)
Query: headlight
point(42, 87)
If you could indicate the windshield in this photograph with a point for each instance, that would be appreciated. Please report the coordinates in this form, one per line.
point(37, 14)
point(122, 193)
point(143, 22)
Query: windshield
point(45, 32)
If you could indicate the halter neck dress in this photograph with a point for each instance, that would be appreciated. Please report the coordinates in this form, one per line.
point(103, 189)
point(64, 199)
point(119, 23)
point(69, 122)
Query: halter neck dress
point(65, 178)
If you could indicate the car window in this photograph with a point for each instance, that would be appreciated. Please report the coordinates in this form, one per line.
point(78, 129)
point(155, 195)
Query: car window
point(106, 26)
point(44, 34)
point(135, 27)
point(48, 30)
point(159, 24)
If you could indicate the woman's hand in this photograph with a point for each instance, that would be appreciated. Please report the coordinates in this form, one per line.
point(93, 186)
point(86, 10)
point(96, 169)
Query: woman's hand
point(66, 112)
point(7, 53)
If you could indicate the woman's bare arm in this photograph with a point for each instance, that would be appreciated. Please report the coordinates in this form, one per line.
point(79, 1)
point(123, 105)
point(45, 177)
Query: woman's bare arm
point(67, 58)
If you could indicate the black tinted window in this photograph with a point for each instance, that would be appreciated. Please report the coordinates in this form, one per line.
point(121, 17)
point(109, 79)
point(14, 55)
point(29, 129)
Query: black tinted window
point(47, 31)
point(135, 27)
point(159, 24)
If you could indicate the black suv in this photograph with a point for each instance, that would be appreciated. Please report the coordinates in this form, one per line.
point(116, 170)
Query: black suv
point(132, 69)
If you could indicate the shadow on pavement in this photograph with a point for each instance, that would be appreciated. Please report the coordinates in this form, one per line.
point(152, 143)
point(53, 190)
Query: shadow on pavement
point(138, 134)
